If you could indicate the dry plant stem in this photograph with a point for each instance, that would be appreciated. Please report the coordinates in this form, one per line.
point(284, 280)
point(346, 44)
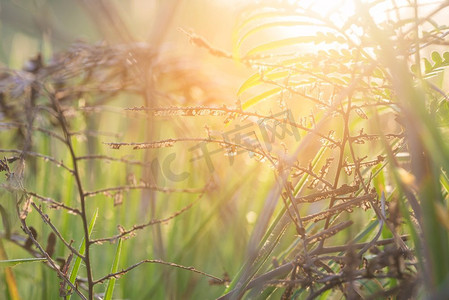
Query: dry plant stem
point(426, 18)
point(331, 231)
point(347, 93)
point(55, 204)
point(380, 216)
point(340, 160)
point(67, 136)
point(343, 190)
point(35, 154)
point(335, 277)
point(146, 164)
point(412, 200)
point(135, 228)
point(201, 42)
point(170, 142)
point(155, 261)
point(142, 187)
point(337, 102)
point(56, 231)
point(285, 220)
point(49, 259)
point(299, 222)
point(110, 158)
point(298, 150)
point(151, 222)
point(312, 174)
point(357, 201)
point(285, 268)
point(224, 111)
point(289, 287)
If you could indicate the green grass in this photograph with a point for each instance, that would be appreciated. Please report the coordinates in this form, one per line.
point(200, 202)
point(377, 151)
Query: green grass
point(263, 225)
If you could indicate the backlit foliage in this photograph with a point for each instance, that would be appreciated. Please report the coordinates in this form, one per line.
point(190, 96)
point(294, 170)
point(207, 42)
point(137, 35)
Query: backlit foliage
point(336, 141)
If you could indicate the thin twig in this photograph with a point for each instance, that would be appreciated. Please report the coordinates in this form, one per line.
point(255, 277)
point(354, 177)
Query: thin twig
point(357, 201)
point(155, 261)
point(55, 204)
point(35, 154)
point(56, 231)
point(110, 158)
point(49, 259)
point(81, 193)
point(142, 226)
point(143, 187)
point(224, 111)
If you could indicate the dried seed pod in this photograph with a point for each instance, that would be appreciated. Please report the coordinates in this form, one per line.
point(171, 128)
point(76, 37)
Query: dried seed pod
point(51, 242)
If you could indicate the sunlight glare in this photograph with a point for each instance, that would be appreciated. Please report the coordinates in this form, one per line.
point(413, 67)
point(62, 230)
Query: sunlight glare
point(338, 12)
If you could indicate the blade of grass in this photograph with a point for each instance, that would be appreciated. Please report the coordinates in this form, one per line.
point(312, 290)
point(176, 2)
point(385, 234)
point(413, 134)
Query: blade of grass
point(82, 249)
point(14, 262)
point(256, 79)
point(111, 283)
point(276, 225)
point(261, 97)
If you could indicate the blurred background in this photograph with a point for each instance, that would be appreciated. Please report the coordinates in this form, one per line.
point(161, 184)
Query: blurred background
point(46, 26)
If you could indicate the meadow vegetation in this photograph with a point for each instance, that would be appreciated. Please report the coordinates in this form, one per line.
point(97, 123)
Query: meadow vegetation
point(132, 172)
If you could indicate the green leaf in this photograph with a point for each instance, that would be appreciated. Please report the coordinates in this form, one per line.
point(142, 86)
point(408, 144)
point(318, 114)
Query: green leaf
point(268, 25)
point(436, 57)
point(261, 97)
point(14, 262)
point(270, 74)
point(446, 57)
point(427, 65)
point(280, 44)
point(239, 35)
point(444, 181)
point(82, 249)
point(295, 41)
point(254, 80)
point(110, 288)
